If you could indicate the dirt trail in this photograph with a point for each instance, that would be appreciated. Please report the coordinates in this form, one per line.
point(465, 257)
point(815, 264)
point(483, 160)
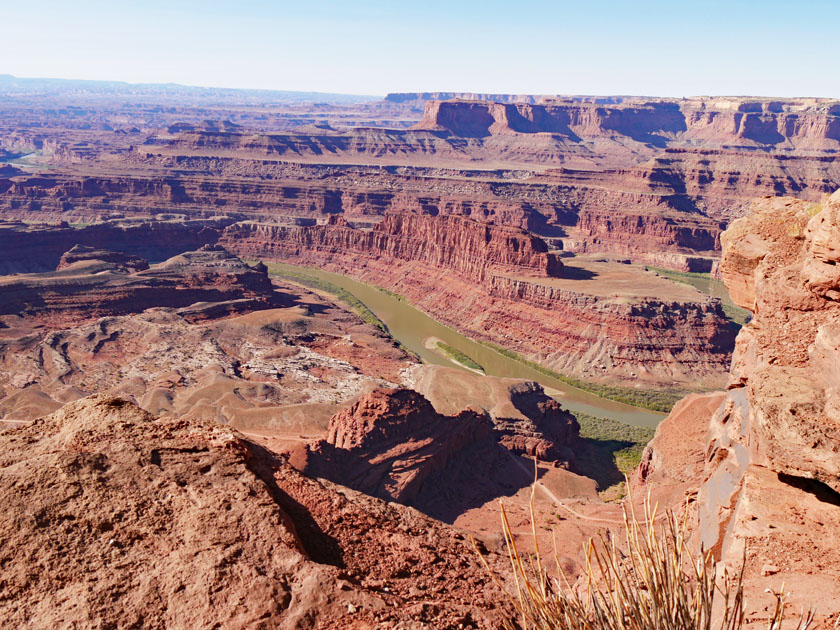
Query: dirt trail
point(553, 497)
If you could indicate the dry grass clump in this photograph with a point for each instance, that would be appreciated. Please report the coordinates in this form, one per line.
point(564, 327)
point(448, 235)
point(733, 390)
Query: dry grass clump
point(655, 583)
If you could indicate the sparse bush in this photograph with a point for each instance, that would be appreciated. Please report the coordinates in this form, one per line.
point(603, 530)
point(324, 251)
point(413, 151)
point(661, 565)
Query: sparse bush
point(654, 583)
point(393, 294)
point(611, 449)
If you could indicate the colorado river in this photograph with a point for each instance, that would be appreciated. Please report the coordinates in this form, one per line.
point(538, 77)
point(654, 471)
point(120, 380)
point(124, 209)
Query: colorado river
point(412, 328)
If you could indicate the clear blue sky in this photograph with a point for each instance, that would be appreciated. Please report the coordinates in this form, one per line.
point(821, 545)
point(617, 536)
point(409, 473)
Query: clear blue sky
point(651, 47)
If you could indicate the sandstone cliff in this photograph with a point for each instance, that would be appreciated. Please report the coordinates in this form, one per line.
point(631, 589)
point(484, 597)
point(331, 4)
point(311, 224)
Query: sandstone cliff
point(804, 123)
point(468, 248)
point(771, 479)
point(496, 284)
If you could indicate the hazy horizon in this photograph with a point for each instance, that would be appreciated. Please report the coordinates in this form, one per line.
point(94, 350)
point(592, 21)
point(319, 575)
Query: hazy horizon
point(385, 94)
point(772, 48)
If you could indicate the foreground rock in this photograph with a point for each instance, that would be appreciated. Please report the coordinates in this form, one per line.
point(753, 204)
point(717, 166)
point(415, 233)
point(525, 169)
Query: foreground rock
point(394, 445)
point(771, 479)
point(113, 518)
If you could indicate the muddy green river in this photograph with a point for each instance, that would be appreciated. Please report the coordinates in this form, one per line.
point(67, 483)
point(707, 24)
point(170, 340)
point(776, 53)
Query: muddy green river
point(413, 328)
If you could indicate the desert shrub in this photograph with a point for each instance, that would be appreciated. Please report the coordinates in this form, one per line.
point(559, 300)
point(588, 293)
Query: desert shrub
point(653, 583)
point(609, 451)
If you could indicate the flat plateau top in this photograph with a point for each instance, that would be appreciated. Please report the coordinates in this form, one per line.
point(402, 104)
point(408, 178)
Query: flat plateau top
point(617, 280)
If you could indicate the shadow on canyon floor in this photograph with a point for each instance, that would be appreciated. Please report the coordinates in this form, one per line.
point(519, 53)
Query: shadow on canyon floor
point(469, 486)
point(596, 459)
point(578, 273)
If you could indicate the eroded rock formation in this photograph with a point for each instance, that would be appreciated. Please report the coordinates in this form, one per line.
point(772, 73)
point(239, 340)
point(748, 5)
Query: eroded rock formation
point(113, 517)
point(95, 283)
point(202, 335)
point(496, 283)
point(394, 445)
point(468, 248)
point(771, 480)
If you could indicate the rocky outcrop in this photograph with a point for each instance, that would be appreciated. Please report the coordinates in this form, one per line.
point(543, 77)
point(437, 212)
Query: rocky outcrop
point(525, 420)
point(394, 445)
point(548, 431)
point(92, 284)
point(28, 248)
point(113, 517)
point(771, 480)
point(784, 361)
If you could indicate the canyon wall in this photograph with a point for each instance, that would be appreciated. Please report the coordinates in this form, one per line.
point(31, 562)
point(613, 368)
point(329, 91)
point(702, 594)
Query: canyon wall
point(648, 179)
point(467, 248)
point(492, 282)
point(657, 239)
point(454, 270)
point(809, 124)
point(770, 478)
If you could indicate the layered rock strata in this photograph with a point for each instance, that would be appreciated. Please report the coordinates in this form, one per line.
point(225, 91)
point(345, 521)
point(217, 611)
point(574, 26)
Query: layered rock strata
point(694, 163)
point(495, 284)
point(281, 361)
point(806, 123)
point(467, 248)
point(92, 284)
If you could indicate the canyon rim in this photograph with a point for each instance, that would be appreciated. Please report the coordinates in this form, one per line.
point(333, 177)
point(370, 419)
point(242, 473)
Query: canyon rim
point(277, 359)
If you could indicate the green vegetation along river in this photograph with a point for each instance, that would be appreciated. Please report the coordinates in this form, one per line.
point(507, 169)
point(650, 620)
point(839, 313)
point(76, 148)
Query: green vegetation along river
point(412, 328)
point(704, 283)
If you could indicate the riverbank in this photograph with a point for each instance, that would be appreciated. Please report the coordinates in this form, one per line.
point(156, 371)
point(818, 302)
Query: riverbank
point(411, 328)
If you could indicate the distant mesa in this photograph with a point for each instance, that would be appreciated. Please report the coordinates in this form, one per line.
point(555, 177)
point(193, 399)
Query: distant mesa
point(224, 126)
point(92, 283)
point(803, 123)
